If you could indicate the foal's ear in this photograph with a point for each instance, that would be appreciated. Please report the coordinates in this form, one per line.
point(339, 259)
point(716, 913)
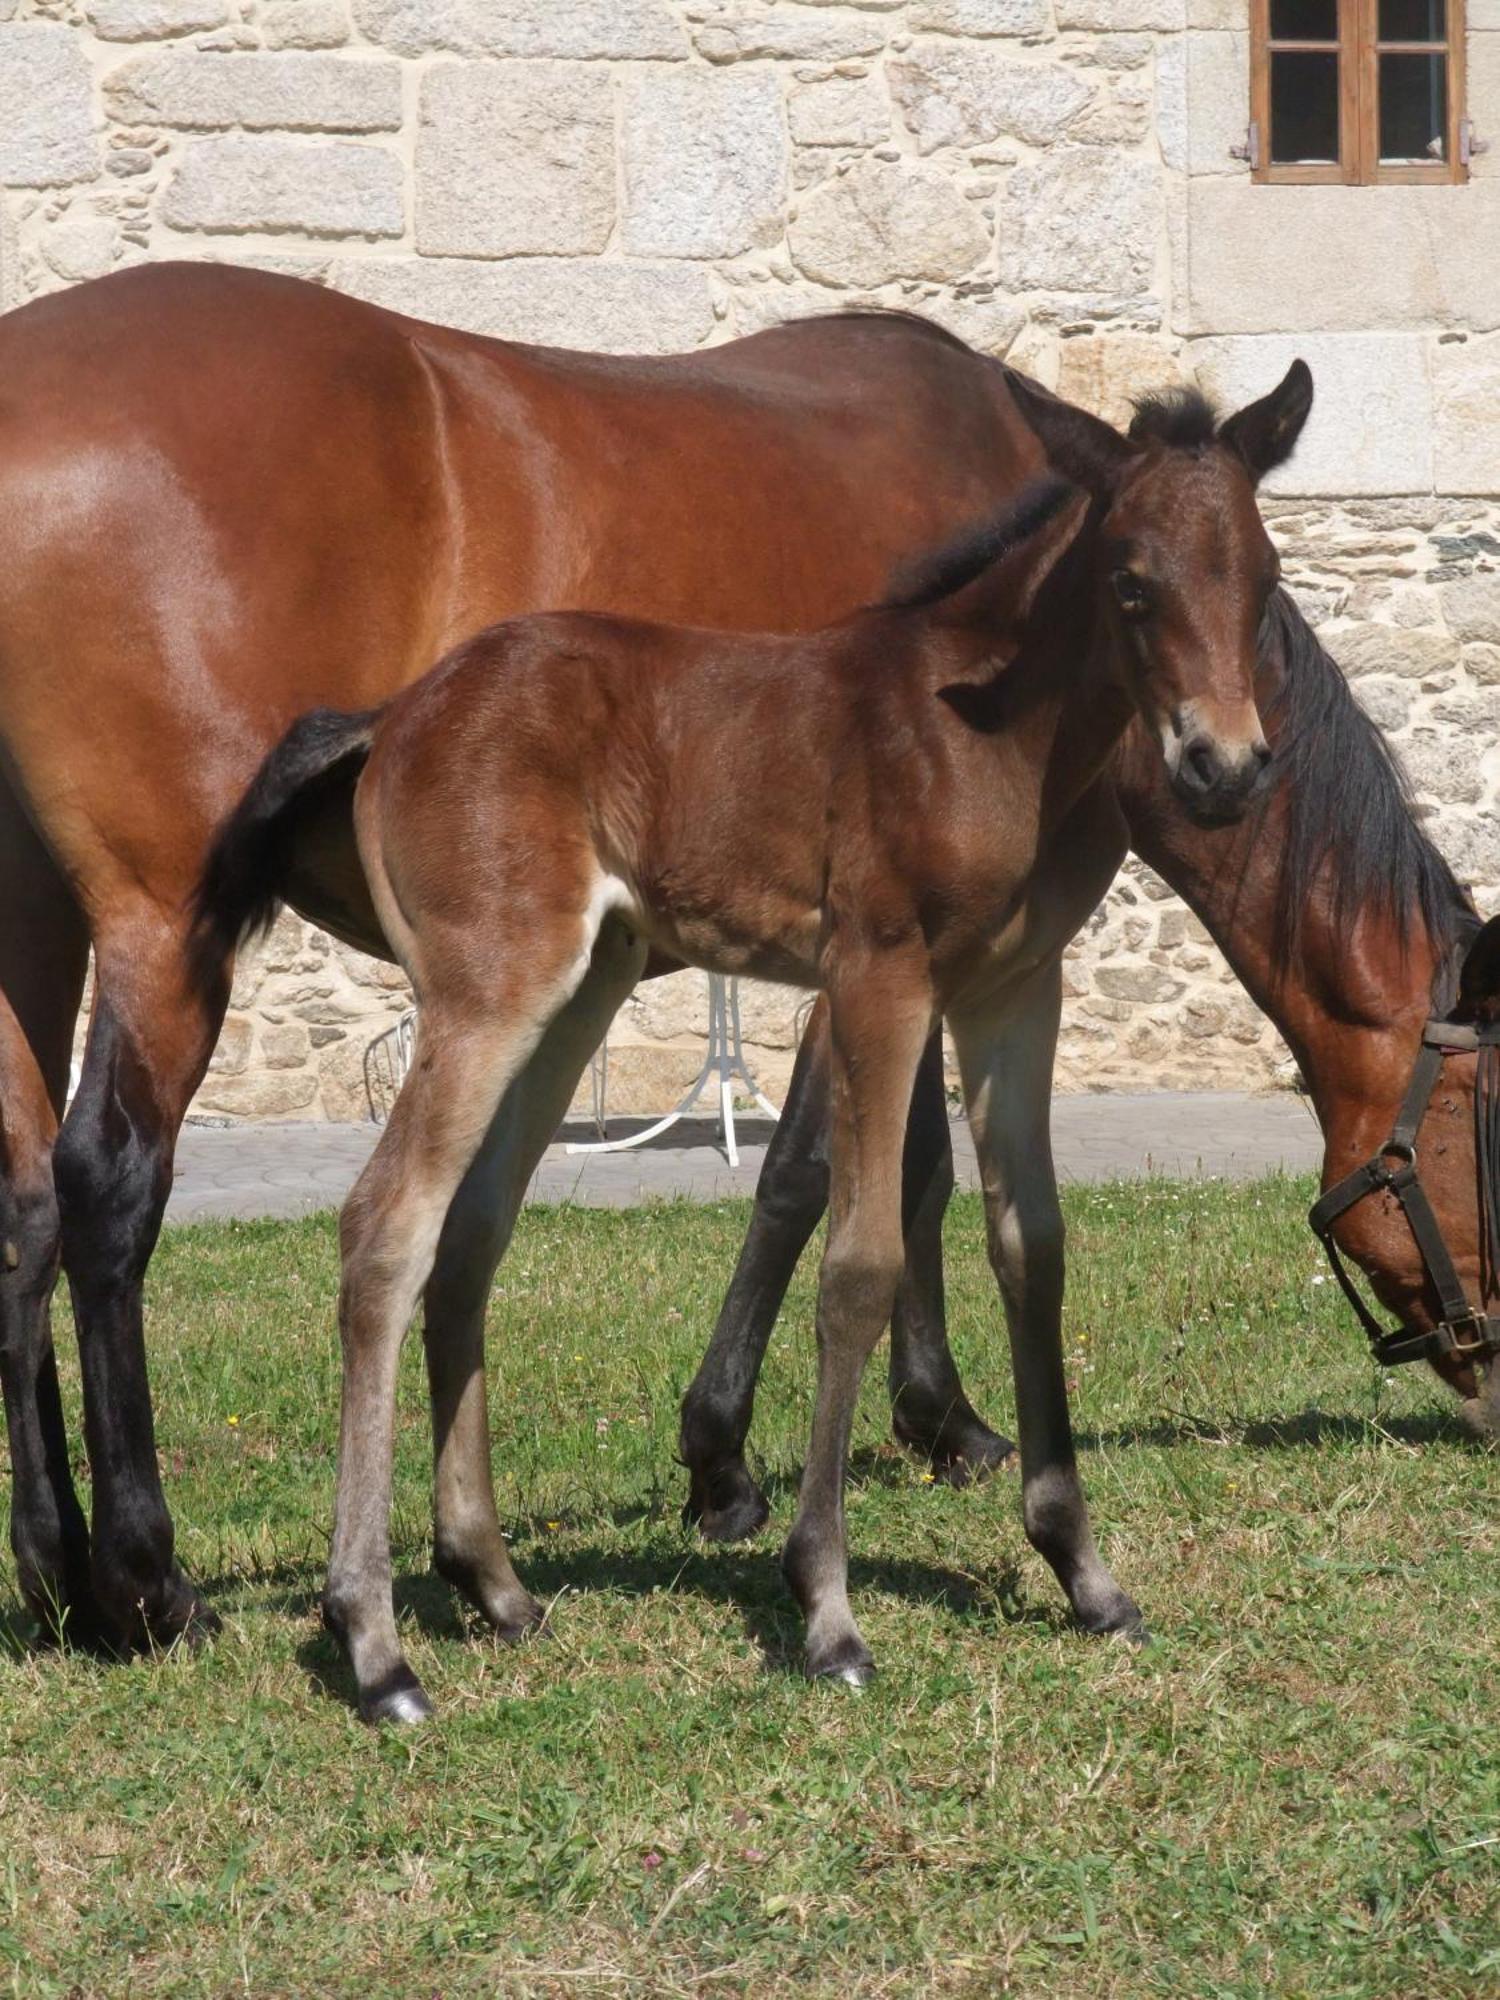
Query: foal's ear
point(1026, 569)
point(1479, 979)
point(1082, 447)
point(1264, 434)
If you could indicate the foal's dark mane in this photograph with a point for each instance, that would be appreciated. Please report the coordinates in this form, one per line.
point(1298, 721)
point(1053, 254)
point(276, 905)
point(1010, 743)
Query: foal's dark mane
point(1348, 805)
point(1181, 417)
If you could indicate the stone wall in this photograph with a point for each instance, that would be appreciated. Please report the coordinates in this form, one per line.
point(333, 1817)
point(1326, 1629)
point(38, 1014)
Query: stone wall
point(1050, 178)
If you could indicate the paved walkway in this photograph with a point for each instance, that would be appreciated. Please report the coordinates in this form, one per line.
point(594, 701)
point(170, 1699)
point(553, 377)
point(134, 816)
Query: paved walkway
point(292, 1169)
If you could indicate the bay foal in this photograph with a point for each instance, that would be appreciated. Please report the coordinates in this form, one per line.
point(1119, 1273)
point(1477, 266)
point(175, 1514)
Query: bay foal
point(904, 810)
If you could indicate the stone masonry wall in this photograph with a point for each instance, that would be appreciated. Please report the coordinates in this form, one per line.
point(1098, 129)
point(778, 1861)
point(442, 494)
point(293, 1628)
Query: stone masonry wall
point(1050, 178)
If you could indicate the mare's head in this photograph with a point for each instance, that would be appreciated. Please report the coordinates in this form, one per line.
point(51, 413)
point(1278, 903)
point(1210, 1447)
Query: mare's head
point(1185, 566)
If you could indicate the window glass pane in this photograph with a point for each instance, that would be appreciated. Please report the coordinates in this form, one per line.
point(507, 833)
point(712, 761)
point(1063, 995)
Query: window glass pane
point(1304, 20)
point(1413, 108)
point(1413, 20)
point(1305, 105)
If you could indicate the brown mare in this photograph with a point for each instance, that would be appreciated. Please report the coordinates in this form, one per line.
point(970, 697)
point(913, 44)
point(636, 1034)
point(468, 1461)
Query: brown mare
point(904, 810)
point(1346, 926)
point(227, 497)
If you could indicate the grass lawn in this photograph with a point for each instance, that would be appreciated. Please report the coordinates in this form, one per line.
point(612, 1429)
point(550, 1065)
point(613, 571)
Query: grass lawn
point(1295, 1789)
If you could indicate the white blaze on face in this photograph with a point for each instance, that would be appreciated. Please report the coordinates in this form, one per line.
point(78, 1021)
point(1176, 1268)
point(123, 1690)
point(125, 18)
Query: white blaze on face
point(1175, 730)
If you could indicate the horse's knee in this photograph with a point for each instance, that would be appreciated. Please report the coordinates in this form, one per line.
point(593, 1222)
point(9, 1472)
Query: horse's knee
point(1027, 1240)
point(857, 1290)
point(112, 1172)
point(29, 1245)
point(793, 1189)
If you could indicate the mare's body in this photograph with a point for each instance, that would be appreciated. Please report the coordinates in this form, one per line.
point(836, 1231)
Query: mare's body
point(227, 497)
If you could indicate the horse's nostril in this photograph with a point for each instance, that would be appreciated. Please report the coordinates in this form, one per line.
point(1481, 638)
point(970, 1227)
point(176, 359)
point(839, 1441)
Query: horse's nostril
point(1262, 753)
point(1202, 761)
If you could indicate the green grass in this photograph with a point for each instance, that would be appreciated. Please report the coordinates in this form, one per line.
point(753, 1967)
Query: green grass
point(1296, 1789)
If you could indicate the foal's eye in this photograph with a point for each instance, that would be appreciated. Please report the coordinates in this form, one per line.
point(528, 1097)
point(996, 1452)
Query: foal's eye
point(1132, 595)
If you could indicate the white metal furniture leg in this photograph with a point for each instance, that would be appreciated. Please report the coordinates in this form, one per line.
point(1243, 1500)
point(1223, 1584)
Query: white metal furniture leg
point(724, 1064)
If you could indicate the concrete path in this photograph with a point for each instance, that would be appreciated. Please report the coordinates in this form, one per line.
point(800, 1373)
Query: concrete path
point(292, 1169)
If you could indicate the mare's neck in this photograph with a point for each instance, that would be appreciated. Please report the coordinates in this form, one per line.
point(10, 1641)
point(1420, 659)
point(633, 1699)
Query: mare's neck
point(1351, 1010)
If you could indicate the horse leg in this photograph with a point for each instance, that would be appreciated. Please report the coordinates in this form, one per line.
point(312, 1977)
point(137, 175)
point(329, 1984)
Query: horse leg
point(881, 1021)
point(790, 1197)
point(476, 1036)
point(930, 1413)
point(150, 1037)
point(468, 1546)
point(43, 953)
point(1007, 1077)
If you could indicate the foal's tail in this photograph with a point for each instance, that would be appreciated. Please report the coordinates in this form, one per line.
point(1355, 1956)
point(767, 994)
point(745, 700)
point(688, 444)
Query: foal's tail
point(249, 864)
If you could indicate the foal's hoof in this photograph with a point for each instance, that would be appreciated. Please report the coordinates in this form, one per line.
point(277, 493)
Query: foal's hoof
point(518, 1621)
point(730, 1507)
point(400, 1699)
point(848, 1660)
point(960, 1448)
point(1123, 1620)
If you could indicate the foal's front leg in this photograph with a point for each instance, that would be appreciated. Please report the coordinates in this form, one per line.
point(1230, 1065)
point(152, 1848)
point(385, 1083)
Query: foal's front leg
point(882, 1017)
point(1006, 1065)
point(930, 1413)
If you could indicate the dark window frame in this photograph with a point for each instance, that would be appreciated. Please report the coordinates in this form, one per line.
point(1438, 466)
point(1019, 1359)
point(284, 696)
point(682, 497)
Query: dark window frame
point(1359, 50)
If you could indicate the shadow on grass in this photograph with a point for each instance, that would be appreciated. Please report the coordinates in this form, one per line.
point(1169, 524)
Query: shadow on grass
point(1298, 1432)
point(749, 1580)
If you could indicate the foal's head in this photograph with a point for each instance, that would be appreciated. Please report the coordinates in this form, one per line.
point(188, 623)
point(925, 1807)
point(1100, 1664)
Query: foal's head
point(1186, 566)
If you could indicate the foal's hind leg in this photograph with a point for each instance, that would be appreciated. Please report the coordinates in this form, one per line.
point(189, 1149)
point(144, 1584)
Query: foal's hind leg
point(468, 1546)
point(1007, 1073)
point(930, 1412)
point(480, 1027)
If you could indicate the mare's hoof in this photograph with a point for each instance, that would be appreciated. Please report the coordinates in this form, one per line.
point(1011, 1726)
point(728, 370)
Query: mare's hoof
point(400, 1699)
point(850, 1662)
point(171, 1615)
point(960, 1448)
point(66, 1621)
point(734, 1511)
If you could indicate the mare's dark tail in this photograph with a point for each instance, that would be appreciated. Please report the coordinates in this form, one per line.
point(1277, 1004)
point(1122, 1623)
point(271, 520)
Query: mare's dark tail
point(249, 864)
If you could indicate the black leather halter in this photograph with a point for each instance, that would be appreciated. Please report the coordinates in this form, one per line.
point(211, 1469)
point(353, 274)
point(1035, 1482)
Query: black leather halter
point(1463, 1330)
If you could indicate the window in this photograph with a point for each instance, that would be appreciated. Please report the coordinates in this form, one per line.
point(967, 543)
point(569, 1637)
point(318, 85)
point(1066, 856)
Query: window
point(1357, 90)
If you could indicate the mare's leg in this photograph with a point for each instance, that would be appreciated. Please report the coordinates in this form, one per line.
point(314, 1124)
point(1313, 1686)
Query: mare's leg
point(150, 1037)
point(790, 1197)
point(43, 952)
point(1007, 1076)
point(930, 1412)
point(469, 1548)
point(882, 1018)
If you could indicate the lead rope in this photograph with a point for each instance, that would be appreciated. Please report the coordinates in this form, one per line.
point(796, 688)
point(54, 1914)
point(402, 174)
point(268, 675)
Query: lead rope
point(1487, 1152)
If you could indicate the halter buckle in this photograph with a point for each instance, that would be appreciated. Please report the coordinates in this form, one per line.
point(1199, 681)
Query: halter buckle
point(1478, 1324)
